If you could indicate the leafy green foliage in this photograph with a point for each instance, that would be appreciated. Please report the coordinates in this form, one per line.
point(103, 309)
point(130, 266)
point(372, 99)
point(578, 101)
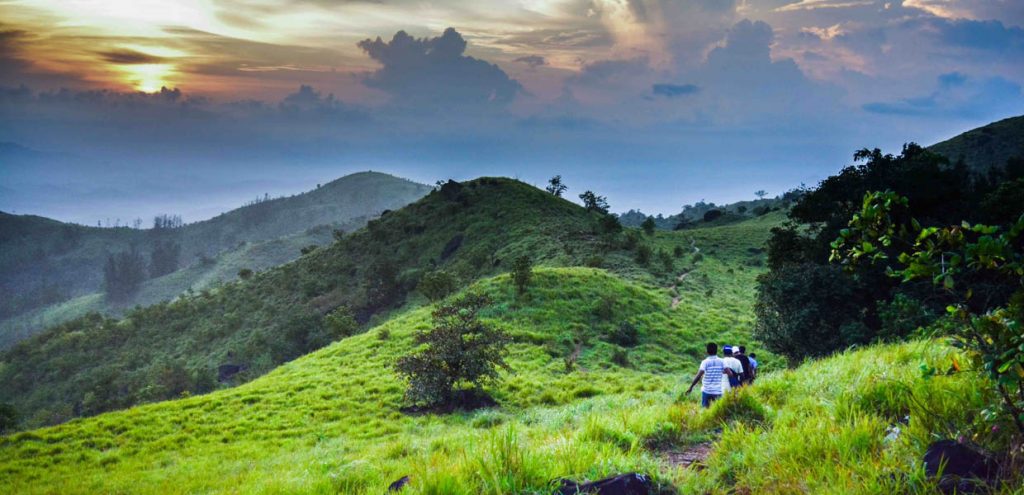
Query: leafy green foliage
point(437, 284)
point(458, 352)
point(809, 310)
point(8, 417)
point(648, 226)
point(556, 187)
point(341, 323)
point(976, 255)
point(593, 202)
point(522, 272)
point(123, 274)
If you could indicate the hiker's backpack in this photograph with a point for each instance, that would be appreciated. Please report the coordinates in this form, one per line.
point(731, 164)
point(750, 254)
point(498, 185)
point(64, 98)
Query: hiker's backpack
point(623, 484)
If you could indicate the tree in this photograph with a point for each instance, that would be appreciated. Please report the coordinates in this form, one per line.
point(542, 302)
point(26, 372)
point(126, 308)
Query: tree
point(245, 273)
point(122, 274)
point(437, 285)
point(556, 187)
point(593, 202)
point(522, 272)
point(964, 261)
point(760, 193)
point(459, 352)
point(164, 258)
point(648, 226)
point(808, 310)
point(8, 417)
point(643, 254)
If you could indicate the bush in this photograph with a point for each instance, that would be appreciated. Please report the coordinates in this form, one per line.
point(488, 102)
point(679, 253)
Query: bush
point(648, 226)
point(522, 272)
point(712, 215)
point(625, 335)
point(437, 285)
point(643, 254)
point(245, 274)
point(460, 351)
point(809, 310)
point(8, 417)
point(678, 251)
point(620, 357)
point(341, 323)
point(595, 261)
point(903, 316)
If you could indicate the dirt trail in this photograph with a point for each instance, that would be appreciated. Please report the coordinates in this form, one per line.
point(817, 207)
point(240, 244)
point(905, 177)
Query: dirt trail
point(692, 455)
point(674, 289)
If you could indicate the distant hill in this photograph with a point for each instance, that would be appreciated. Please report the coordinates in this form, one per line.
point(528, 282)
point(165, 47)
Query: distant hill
point(44, 263)
point(988, 146)
point(468, 230)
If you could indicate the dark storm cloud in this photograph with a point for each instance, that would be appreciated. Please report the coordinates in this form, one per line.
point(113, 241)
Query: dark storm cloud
point(533, 61)
point(128, 57)
point(956, 96)
point(673, 90)
point(434, 72)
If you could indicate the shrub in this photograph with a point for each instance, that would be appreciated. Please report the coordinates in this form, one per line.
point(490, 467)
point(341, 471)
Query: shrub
point(643, 254)
point(712, 215)
point(620, 357)
point(245, 274)
point(648, 226)
point(604, 309)
point(8, 417)
point(341, 323)
point(522, 272)
point(593, 202)
point(902, 316)
point(595, 261)
point(308, 249)
point(678, 251)
point(459, 351)
point(625, 335)
point(437, 285)
point(631, 241)
point(808, 310)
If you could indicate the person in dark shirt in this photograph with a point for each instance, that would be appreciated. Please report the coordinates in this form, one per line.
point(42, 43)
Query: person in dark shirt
point(748, 372)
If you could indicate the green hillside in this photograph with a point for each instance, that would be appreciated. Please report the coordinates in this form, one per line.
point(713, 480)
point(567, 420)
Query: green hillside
point(52, 271)
point(988, 146)
point(330, 422)
point(95, 364)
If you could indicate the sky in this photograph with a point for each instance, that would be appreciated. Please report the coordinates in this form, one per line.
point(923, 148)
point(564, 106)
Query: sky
point(124, 109)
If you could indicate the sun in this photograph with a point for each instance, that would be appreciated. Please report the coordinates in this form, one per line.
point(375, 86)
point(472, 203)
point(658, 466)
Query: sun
point(147, 78)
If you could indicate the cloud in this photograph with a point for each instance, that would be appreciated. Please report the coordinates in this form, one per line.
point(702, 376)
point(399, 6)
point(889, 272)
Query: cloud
point(603, 71)
point(673, 90)
point(533, 61)
point(434, 72)
point(957, 96)
point(128, 57)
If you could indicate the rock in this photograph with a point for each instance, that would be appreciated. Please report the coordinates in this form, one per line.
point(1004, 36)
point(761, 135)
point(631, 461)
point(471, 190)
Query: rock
point(624, 484)
point(398, 485)
point(963, 468)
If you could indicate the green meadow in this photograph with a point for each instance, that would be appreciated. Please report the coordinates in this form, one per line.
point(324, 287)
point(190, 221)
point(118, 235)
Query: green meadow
point(330, 422)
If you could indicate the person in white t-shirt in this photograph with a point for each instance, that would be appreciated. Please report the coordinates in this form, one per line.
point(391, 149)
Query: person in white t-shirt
point(712, 375)
point(733, 364)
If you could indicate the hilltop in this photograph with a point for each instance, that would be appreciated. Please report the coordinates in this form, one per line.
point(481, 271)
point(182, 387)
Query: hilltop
point(987, 146)
point(469, 231)
point(52, 271)
point(330, 422)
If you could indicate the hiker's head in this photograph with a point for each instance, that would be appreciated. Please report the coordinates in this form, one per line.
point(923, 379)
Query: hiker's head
point(728, 351)
point(743, 349)
point(753, 355)
point(712, 349)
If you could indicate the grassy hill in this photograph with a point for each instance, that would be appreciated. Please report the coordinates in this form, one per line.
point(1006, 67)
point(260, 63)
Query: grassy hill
point(986, 146)
point(330, 422)
point(52, 271)
point(474, 230)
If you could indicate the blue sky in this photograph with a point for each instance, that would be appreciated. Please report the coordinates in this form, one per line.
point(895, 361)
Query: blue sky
point(652, 103)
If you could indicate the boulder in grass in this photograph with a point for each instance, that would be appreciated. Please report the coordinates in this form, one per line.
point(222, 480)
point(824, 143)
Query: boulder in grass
point(623, 484)
point(960, 468)
point(398, 485)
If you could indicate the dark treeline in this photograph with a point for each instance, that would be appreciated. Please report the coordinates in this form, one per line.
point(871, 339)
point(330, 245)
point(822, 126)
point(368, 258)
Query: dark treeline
point(808, 306)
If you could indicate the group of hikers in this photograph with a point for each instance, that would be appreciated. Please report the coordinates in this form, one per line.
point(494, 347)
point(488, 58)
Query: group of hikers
point(718, 375)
